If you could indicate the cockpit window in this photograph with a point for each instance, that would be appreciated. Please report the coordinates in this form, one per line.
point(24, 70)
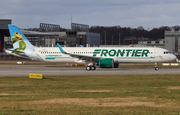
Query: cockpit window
point(166, 52)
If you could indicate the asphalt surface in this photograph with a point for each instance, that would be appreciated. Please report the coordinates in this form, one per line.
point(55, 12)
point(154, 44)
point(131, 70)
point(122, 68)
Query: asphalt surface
point(49, 70)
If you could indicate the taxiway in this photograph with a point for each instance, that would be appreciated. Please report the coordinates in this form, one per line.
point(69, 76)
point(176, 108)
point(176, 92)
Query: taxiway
point(49, 70)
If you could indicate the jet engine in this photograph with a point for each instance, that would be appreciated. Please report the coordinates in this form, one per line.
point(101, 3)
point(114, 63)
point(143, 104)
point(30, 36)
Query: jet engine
point(107, 63)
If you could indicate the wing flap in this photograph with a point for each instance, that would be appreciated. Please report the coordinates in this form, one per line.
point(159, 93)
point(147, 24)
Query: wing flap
point(84, 57)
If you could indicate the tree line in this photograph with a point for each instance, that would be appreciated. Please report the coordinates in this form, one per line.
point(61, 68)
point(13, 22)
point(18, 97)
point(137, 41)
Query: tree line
point(115, 32)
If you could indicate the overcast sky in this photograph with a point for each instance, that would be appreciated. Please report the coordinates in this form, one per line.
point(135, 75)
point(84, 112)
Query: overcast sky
point(125, 13)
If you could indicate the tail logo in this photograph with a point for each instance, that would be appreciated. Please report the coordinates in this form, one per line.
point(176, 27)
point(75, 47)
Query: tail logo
point(18, 39)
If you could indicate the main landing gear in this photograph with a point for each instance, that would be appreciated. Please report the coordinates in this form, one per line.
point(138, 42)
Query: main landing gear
point(88, 68)
point(156, 67)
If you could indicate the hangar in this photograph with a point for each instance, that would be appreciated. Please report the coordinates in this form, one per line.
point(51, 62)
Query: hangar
point(4, 31)
point(48, 35)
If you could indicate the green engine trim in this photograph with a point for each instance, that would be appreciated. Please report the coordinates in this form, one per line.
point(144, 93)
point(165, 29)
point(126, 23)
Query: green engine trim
point(106, 63)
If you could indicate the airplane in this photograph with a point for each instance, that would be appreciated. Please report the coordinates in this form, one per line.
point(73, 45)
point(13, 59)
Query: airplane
point(104, 57)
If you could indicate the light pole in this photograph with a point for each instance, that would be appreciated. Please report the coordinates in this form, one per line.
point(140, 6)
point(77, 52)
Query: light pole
point(105, 36)
point(101, 41)
point(112, 40)
point(172, 31)
point(119, 38)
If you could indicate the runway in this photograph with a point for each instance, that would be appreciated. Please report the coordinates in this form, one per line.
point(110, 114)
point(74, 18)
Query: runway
point(49, 70)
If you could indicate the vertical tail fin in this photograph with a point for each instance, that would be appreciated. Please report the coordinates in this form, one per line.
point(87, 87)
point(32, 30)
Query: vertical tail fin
point(20, 42)
point(22, 47)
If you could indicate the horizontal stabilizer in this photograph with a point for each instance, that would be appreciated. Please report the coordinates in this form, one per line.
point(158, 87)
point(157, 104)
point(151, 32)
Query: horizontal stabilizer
point(12, 51)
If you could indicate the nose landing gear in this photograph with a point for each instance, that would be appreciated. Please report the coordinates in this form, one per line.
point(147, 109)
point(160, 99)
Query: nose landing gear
point(156, 67)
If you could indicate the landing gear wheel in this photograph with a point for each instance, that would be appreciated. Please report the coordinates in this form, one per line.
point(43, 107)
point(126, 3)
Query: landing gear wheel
point(88, 68)
point(93, 68)
point(156, 68)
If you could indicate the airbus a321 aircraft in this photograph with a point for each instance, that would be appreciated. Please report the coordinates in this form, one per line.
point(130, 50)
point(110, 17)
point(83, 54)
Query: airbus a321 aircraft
point(104, 57)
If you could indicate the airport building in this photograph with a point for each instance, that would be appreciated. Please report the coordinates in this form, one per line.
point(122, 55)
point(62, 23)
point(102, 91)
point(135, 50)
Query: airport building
point(48, 35)
point(85, 39)
point(4, 31)
point(158, 43)
point(172, 40)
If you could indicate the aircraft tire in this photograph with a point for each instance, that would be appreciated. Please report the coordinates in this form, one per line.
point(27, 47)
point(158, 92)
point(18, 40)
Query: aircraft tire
point(88, 68)
point(156, 68)
point(93, 68)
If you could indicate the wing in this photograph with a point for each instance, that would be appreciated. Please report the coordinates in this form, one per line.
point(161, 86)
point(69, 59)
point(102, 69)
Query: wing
point(80, 57)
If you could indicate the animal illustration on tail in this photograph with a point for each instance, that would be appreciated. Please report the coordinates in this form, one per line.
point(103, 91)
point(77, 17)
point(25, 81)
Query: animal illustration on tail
point(22, 45)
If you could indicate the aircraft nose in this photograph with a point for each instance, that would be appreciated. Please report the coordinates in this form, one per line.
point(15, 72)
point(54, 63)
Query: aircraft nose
point(173, 57)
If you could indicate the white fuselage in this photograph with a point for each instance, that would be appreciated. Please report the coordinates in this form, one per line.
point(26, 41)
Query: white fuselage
point(119, 54)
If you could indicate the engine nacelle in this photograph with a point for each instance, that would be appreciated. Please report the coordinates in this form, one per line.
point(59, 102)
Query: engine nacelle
point(107, 63)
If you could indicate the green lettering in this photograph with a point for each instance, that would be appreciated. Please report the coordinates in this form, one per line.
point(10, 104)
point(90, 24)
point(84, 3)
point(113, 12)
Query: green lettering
point(145, 52)
point(121, 53)
point(112, 52)
point(96, 51)
point(137, 54)
point(104, 52)
point(128, 52)
point(133, 53)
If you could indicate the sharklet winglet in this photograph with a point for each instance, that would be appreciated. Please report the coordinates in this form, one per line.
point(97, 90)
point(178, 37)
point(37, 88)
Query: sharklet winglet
point(60, 48)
